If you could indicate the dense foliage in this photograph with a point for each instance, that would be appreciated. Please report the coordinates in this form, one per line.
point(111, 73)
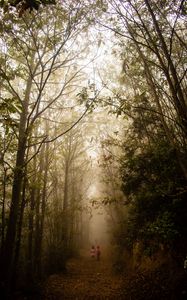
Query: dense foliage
point(156, 190)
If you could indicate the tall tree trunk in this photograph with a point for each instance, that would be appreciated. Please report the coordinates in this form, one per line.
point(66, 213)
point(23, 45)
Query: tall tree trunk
point(43, 206)
point(31, 225)
point(8, 254)
point(37, 218)
point(65, 207)
point(19, 233)
point(173, 80)
point(30, 235)
point(153, 92)
point(3, 212)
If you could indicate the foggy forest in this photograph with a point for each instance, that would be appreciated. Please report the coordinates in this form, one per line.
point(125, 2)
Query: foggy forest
point(93, 149)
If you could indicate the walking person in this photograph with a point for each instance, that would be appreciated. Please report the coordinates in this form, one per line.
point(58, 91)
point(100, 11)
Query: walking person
point(92, 251)
point(98, 252)
point(185, 264)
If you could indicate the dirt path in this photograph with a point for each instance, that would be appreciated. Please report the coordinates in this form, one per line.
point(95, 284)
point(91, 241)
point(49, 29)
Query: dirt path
point(86, 279)
point(90, 279)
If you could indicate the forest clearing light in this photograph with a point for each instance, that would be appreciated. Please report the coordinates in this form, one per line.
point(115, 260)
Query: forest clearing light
point(98, 223)
point(93, 154)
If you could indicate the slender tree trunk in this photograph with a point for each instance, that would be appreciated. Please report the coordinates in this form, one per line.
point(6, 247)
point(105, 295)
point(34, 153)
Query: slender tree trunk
point(31, 224)
point(43, 206)
point(153, 92)
point(65, 207)
point(30, 235)
point(174, 84)
point(19, 233)
point(3, 212)
point(37, 224)
point(66, 182)
point(8, 255)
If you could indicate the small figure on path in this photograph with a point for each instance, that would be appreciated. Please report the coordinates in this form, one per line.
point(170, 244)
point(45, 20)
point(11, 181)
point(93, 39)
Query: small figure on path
point(185, 264)
point(98, 252)
point(92, 251)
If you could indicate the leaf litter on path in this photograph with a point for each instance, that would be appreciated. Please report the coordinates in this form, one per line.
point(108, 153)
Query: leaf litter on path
point(86, 279)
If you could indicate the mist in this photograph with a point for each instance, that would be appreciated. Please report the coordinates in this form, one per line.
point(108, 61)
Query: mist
point(93, 131)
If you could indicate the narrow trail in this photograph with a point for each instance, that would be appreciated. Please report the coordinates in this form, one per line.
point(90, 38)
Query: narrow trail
point(86, 279)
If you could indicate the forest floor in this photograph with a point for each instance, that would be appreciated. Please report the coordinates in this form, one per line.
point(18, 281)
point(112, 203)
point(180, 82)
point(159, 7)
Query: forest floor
point(86, 278)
